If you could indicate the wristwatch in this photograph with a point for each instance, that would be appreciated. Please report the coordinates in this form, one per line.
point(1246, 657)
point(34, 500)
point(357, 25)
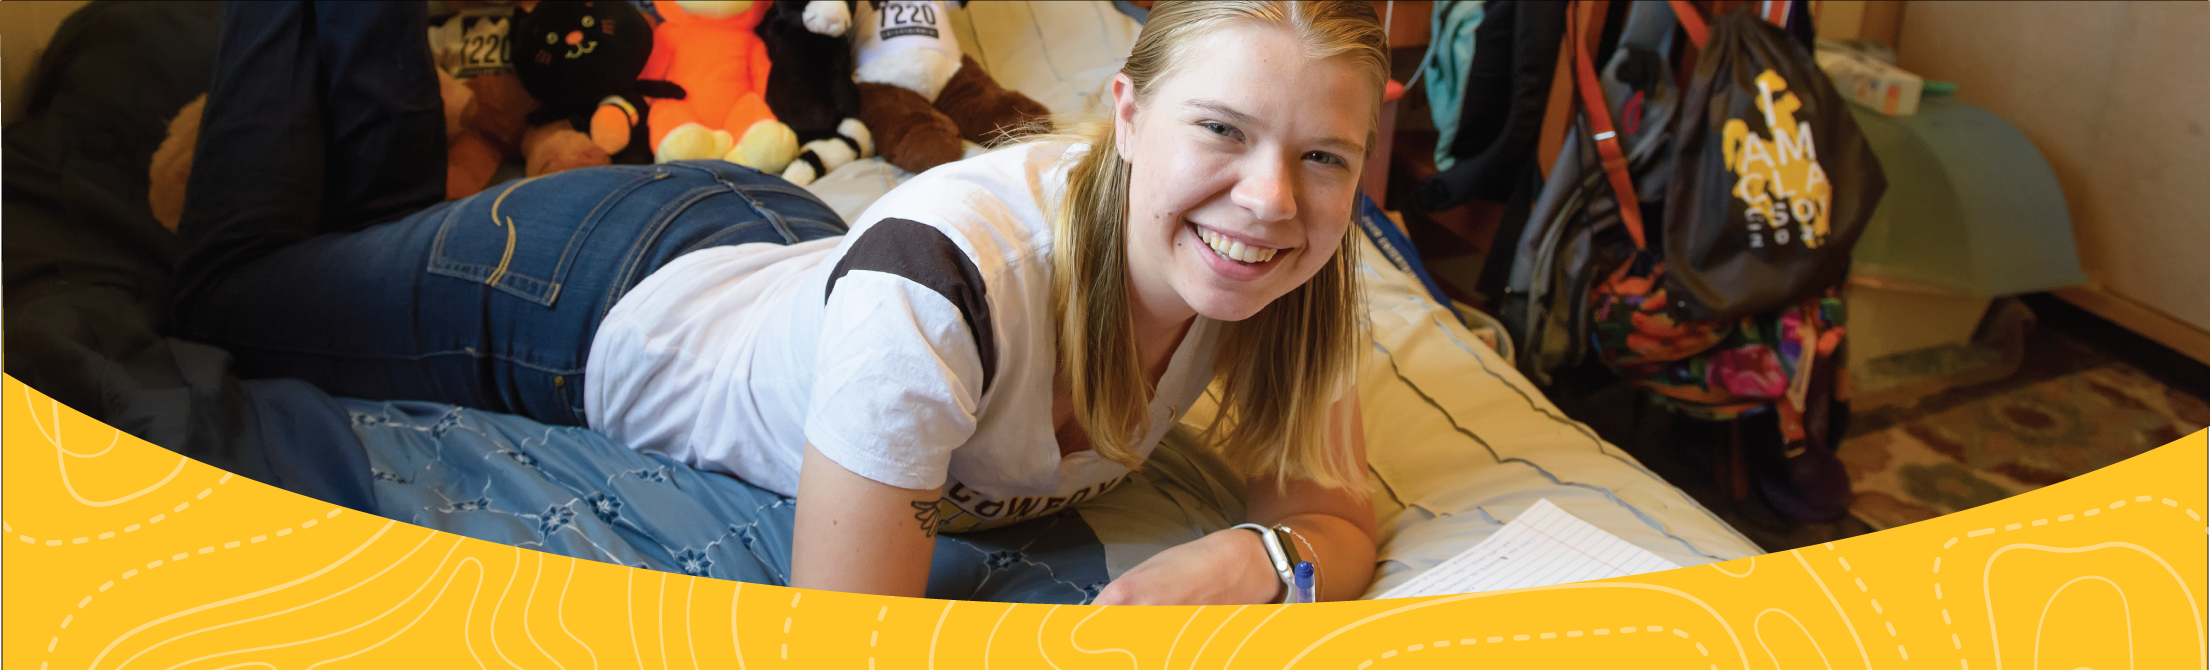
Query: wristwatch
point(1281, 555)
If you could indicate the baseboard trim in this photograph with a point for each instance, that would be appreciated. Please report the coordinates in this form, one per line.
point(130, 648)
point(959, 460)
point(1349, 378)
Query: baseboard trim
point(2149, 322)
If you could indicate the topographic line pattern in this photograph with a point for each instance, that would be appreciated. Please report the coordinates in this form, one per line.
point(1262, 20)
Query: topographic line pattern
point(1592, 634)
point(2086, 573)
point(156, 563)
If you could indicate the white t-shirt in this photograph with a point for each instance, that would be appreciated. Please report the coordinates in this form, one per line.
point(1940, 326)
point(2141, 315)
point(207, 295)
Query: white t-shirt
point(917, 351)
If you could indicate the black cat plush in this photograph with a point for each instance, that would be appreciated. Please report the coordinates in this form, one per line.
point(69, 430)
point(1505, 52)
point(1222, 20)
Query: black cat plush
point(810, 87)
point(581, 60)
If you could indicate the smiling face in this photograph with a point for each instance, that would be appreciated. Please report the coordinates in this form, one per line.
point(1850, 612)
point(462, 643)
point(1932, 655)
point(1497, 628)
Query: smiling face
point(1244, 177)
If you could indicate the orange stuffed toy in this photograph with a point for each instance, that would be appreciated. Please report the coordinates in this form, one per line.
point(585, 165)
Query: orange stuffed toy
point(709, 49)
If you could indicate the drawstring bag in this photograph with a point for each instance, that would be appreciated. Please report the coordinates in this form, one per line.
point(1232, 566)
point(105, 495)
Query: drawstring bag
point(1775, 181)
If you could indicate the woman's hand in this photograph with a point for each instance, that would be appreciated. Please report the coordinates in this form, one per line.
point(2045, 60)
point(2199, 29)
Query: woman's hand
point(1228, 567)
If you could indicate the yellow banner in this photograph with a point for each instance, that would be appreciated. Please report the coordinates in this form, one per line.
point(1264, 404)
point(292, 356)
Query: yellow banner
point(121, 554)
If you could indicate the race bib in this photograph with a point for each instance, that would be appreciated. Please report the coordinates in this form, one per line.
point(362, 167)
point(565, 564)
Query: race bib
point(474, 42)
point(908, 18)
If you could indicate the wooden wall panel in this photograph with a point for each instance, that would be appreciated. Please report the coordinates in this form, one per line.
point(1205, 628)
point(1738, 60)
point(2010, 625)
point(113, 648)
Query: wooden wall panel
point(2114, 95)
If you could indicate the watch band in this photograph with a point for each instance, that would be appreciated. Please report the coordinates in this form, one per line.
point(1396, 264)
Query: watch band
point(1281, 556)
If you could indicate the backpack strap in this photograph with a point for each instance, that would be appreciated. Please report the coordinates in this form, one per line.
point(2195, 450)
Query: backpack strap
point(1691, 22)
point(1583, 31)
point(1557, 111)
point(1775, 11)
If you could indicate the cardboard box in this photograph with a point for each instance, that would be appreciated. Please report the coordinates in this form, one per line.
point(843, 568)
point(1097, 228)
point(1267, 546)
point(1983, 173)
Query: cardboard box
point(1878, 86)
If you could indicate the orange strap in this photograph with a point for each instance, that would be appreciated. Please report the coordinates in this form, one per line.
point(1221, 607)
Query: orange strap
point(1587, 29)
point(1599, 122)
point(1776, 11)
point(1557, 110)
point(1690, 22)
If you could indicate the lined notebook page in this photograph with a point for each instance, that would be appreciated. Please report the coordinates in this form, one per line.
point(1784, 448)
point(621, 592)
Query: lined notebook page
point(1543, 546)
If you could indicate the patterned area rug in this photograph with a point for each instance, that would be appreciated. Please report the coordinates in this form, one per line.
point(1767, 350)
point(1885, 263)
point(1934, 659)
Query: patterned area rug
point(2014, 441)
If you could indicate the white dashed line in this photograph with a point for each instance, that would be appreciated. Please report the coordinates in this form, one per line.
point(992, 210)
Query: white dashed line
point(133, 572)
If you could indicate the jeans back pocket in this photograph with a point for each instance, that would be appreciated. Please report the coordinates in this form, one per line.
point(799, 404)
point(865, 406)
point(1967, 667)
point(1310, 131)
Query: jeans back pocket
point(523, 237)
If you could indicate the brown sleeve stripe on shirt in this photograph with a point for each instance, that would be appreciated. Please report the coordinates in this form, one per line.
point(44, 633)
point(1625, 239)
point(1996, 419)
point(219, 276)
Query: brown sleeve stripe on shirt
point(923, 255)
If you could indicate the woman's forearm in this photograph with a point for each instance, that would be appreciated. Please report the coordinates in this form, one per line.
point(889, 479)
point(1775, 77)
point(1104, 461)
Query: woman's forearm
point(1341, 553)
point(1337, 523)
point(1332, 527)
point(857, 535)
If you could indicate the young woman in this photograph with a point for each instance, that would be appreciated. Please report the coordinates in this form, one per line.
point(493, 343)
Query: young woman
point(994, 340)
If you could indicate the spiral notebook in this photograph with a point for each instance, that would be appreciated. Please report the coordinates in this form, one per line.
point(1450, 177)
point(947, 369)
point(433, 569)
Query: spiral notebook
point(1542, 546)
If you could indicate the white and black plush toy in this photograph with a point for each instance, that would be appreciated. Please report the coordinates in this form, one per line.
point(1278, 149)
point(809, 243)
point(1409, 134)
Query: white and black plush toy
point(810, 87)
point(908, 44)
point(920, 95)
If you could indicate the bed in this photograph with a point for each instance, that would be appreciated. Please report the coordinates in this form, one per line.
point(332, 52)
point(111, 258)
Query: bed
point(1458, 441)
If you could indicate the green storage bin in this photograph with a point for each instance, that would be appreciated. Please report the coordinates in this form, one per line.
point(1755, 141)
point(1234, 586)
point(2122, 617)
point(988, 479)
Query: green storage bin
point(1971, 208)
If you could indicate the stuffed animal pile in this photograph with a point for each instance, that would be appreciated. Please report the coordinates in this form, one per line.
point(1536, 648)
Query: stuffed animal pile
point(795, 87)
point(807, 95)
point(582, 61)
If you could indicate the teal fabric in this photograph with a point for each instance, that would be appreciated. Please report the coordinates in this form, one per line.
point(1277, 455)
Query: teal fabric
point(1448, 60)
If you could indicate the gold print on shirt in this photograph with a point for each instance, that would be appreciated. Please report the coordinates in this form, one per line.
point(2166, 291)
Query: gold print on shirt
point(963, 510)
point(1778, 177)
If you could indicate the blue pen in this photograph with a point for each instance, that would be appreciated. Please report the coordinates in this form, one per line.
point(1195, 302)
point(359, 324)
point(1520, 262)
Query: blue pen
point(1303, 592)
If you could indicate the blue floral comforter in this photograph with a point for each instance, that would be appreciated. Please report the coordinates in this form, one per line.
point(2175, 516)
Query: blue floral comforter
point(574, 492)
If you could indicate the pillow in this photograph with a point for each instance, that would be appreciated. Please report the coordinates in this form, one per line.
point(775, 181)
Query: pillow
point(1060, 53)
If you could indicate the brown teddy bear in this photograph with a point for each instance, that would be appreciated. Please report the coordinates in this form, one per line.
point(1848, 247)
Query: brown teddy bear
point(172, 164)
point(919, 94)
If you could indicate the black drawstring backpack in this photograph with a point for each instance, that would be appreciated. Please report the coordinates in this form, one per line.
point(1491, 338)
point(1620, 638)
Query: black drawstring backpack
point(1774, 181)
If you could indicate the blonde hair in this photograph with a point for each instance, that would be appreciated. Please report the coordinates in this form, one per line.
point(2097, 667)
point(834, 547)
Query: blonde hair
point(1277, 372)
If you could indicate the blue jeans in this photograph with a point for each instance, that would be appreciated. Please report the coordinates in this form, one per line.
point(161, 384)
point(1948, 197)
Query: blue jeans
point(489, 301)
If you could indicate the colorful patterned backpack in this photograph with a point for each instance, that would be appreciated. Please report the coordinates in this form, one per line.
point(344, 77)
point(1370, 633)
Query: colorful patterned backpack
point(1730, 307)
